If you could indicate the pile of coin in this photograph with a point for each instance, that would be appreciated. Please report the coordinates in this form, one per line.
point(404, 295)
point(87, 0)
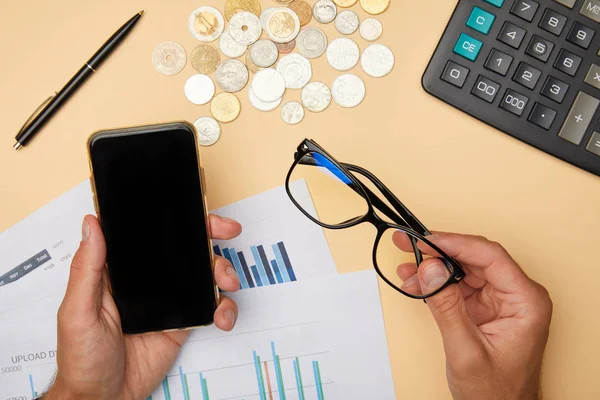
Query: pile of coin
point(257, 46)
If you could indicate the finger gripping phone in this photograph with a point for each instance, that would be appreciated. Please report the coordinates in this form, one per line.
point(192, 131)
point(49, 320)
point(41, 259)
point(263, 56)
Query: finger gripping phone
point(149, 194)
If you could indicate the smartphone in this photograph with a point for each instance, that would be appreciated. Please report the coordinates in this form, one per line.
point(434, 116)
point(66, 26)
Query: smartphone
point(150, 198)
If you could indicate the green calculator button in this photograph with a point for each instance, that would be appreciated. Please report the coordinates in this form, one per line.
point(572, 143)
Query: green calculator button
point(481, 20)
point(468, 47)
point(497, 3)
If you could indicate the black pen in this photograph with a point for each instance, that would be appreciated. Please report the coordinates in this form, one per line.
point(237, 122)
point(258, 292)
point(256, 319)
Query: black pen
point(53, 103)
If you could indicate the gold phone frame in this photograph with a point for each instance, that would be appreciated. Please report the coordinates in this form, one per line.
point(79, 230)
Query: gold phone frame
point(161, 127)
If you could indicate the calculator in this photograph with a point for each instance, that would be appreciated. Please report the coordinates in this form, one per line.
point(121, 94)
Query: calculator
point(528, 68)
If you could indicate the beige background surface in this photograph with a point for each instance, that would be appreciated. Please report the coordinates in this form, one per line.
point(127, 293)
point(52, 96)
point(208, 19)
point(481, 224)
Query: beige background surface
point(454, 172)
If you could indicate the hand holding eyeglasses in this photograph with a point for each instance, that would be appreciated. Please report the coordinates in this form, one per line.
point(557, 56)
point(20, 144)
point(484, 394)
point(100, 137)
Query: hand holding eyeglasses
point(494, 323)
point(494, 319)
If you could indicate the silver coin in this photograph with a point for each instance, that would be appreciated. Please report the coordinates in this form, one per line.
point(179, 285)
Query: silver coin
point(268, 85)
point(282, 25)
point(296, 70)
point(203, 29)
point(264, 14)
point(311, 42)
point(343, 54)
point(169, 58)
point(292, 112)
point(245, 28)
point(377, 60)
point(262, 105)
point(316, 96)
point(346, 22)
point(199, 89)
point(371, 29)
point(230, 47)
point(231, 75)
point(264, 53)
point(209, 130)
point(348, 90)
point(324, 11)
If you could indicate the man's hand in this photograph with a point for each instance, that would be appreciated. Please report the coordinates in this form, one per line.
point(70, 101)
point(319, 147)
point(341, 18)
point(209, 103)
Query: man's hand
point(95, 360)
point(494, 323)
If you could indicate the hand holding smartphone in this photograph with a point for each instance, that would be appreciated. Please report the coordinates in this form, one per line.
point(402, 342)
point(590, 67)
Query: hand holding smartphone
point(150, 198)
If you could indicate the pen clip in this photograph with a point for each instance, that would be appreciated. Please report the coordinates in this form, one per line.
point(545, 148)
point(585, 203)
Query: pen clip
point(36, 113)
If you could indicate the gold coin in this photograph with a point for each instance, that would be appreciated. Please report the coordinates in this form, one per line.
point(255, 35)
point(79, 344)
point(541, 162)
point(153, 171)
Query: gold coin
point(302, 9)
point(250, 64)
point(206, 23)
point(205, 58)
point(282, 25)
point(345, 3)
point(225, 107)
point(283, 2)
point(233, 7)
point(285, 48)
point(375, 6)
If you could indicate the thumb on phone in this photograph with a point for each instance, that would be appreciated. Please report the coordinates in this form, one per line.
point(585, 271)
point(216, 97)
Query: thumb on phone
point(84, 288)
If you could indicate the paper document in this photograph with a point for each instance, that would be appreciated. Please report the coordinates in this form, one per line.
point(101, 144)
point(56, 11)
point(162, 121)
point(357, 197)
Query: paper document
point(278, 245)
point(315, 339)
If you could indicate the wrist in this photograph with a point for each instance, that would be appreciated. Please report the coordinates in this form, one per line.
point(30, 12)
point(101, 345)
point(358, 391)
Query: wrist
point(58, 391)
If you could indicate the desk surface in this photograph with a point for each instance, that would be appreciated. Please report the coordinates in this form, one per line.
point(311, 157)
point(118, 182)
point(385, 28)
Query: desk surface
point(454, 172)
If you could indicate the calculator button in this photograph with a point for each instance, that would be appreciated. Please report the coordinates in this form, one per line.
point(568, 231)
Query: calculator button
point(594, 144)
point(468, 47)
point(581, 35)
point(497, 3)
point(539, 48)
point(485, 89)
point(527, 75)
point(481, 20)
point(593, 76)
point(579, 118)
point(455, 74)
point(512, 35)
point(553, 22)
point(542, 116)
point(567, 3)
point(514, 102)
point(555, 89)
point(498, 62)
point(525, 9)
point(591, 9)
point(567, 62)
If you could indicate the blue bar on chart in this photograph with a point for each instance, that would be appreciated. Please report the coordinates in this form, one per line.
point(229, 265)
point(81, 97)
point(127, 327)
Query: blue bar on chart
point(263, 260)
point(286, 260)
point(259, 376)
point(245, 269)
point(276, 270)
point(263, 272)
point(259, 265)
point(165, 387)
point(184, 385)
point(204, 387)
point(33, 392)
point(231, 256)
point(318, 382)
point(256, 275)
point(278, 373)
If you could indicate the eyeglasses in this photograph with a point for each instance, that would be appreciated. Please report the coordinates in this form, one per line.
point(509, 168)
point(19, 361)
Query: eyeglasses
point(344, 196)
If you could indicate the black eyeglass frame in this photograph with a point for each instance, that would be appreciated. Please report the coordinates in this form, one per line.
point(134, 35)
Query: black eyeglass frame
point(405, 220)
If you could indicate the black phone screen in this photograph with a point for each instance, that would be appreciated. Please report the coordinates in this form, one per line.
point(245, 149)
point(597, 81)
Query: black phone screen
point(150, 203)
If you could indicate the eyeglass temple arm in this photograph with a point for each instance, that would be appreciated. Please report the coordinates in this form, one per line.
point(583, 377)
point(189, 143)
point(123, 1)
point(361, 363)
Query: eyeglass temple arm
point(413, 222)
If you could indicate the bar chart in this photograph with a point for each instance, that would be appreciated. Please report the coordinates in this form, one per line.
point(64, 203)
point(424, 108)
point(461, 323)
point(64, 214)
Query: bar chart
point(262, 270)
point(272, 383)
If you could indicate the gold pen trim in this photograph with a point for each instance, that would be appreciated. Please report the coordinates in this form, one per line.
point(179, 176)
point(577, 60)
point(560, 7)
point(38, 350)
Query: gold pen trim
point(35, 113)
